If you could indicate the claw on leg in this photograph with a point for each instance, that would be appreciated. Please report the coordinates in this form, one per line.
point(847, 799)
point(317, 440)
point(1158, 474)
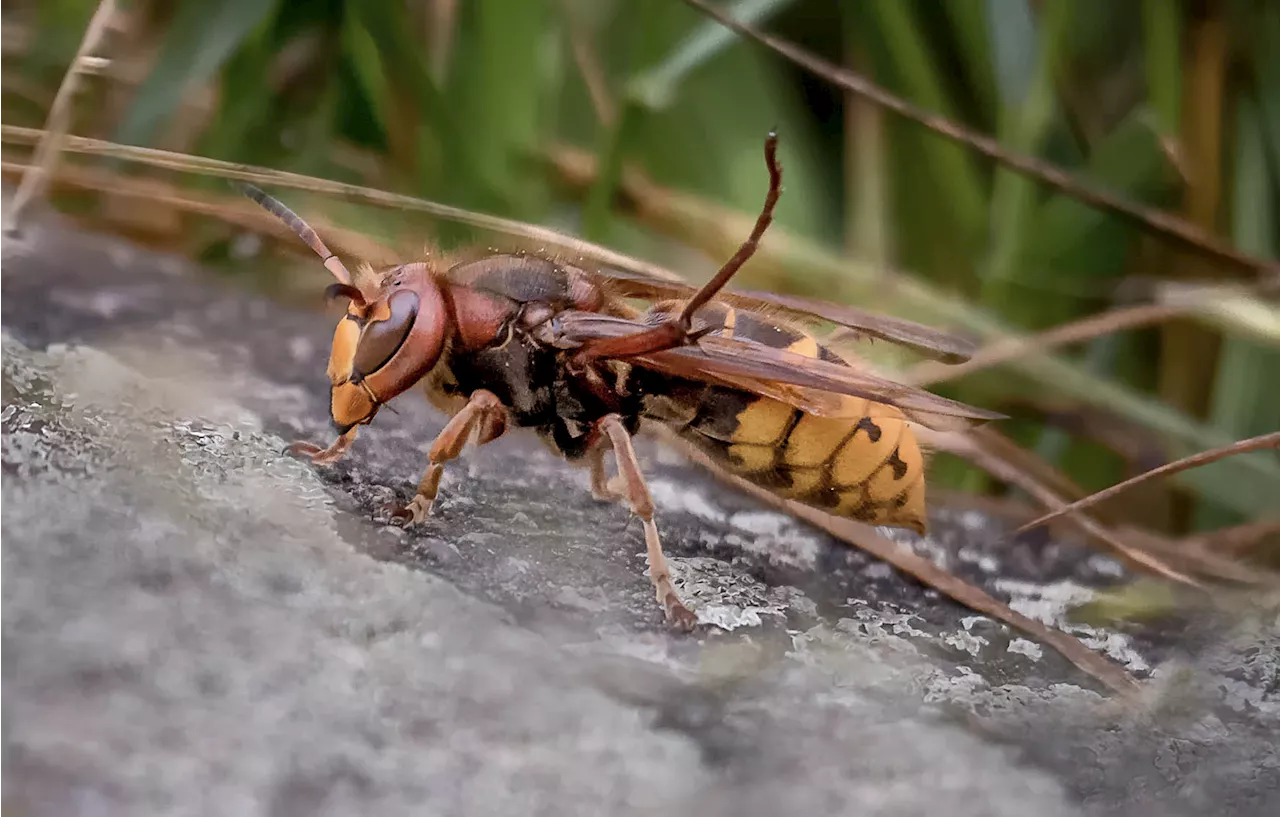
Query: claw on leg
point(415, 513)
point(636, 492)
point(678, 616)
point(302, 449)
point(323, 456)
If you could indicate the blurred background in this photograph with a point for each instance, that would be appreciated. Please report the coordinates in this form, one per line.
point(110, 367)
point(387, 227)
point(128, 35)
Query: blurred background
point(639, 124)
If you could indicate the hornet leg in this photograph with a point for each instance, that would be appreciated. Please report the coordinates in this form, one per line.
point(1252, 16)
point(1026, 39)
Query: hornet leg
point(603, 488)
point(483, 414)
point(324, 456)
point(637, 495)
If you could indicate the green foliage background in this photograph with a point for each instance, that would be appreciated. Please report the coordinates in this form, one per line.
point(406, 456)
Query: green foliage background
point(1176, 104)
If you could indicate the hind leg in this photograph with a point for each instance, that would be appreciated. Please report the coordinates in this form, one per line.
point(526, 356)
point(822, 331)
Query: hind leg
point(603, 488)
point(632, 487)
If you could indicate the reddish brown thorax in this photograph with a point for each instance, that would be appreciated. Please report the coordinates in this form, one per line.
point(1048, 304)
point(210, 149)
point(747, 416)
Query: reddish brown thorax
point(478, 316)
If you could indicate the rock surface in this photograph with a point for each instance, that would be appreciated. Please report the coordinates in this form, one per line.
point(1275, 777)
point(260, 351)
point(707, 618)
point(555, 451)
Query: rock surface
point(195, 624)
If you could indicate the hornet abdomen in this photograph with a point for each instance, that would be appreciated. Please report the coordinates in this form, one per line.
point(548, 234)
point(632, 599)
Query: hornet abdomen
point(865, 466)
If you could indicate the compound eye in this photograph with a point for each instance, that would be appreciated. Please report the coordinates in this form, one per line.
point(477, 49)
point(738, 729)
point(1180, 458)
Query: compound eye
point(382, 339)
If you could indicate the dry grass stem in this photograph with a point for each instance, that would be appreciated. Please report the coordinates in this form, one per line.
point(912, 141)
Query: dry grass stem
point(59, 119)
point(1153, 220)
point(200, 165)
point(1004, 350)
point(971, 449)
point(1260, 443)
point(866, 538)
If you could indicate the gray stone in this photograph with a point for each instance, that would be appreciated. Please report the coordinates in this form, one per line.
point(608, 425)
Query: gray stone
point(196, 624)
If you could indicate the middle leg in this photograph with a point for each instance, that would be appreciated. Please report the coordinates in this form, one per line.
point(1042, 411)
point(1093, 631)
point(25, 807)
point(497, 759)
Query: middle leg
point(486, 417)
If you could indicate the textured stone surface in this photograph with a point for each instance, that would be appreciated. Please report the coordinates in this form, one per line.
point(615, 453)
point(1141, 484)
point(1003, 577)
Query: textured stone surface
point(194, 624)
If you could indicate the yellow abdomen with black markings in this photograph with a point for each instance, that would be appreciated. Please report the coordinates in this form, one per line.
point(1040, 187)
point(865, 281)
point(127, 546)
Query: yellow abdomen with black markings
point(865, 465)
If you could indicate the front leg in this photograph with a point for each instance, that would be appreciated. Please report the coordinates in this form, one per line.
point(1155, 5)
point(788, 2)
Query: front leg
point(612, 433)
point(483, 414)
point(324, 456)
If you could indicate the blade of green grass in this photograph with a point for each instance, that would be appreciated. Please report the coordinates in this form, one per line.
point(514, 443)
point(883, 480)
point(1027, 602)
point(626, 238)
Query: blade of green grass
point(1027, 83)
point(361, 51)
point(619, 142)
point(448, 160)
point(959, 189)
point(1234, 310)
point(1246, 394)
point(969, 26)
point(1127, 159)
point(246, 99)
point(1266, 59)
point(654, 89)
point(504, 73)
point(867, 163)
point(1189, 352)
point(657, 86)
point(1077, 243)
point(1026, 67)
point(706, 137)
point(1011, 28)
point(200, 38)
point(60, 25)
point(1162, 55)
point(620, 138)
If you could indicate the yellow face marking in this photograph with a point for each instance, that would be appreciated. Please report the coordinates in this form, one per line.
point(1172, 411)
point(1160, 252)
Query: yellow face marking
point(341, 356)
point(378, 311)
point(763, 422)
point(350, 404)
point(346, 338)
